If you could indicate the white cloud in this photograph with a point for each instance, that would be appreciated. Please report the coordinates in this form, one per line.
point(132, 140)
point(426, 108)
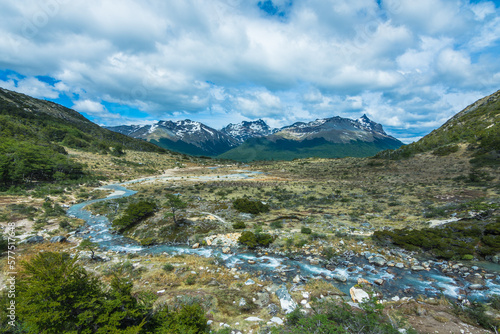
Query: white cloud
point(226, 58)
point(89, 107)
point(31, 86)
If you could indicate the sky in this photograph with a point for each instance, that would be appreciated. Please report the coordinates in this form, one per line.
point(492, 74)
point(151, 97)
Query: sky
point(409, 65)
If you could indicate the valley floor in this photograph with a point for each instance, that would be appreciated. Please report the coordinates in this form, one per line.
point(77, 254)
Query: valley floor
point(322, 211)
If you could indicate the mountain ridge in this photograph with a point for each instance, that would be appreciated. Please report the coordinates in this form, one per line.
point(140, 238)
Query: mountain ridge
point(195, 138)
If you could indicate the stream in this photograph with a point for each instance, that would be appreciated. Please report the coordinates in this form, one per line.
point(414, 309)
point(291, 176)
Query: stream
point(438, 279)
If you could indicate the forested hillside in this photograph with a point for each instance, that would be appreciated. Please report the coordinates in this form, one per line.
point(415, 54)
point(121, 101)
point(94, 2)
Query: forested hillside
point(33, 134)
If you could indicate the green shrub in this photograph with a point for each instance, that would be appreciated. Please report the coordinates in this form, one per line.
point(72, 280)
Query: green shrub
point(276, 224)
point(239, 225)
point(330, 317)
point(445, 150)
point(191, 280)
point(189, 319)
point(168, 267)
point(305, 230)
point(468, 257)
point(250, 206)
point(252, 240)
point(134, 213)
point(56, 295)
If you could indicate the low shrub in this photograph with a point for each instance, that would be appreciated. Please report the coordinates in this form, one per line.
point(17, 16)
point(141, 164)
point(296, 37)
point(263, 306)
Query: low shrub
point(252, 240)
point(276, 224)
point(239, 225)
point(305, 230)
point(246, 205)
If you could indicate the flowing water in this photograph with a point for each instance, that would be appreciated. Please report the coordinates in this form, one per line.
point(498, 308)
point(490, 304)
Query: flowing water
point(397, 282)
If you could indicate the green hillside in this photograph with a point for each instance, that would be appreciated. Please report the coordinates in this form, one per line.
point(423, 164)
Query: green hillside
point(284, 149)
point(33, 133)
point(478, 125)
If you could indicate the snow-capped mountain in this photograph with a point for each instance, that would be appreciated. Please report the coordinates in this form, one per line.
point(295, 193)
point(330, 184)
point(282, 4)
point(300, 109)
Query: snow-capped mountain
point(184, 136)
point(256, 140)
point(333, 137)
point(246, 130)
point(334, 129)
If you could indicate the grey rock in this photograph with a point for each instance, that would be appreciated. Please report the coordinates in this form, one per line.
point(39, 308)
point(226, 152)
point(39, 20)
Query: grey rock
point(496, 258)
point(250, 282)
point(273, 309)
point(262, 299)
point(286, 301)
point(242, 302)
point(400, 265)
point(417, 268)
point(34, 240)
point(379, 281)
point(59, 238)
point(213, 282)
point(476, 287)
point(340, 277)
point(379, 261)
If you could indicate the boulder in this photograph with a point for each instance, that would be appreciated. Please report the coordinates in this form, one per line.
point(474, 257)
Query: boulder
point(286, 301)
point(59, 238)
point(379, 281)
point(339, 277)
point(417, 268)
point(226, 250)
point(363, 281)
point(400, 265)
point(196, 245)
point(262, 299)
point(34, 240)
point(358, 295)
point(496, 258)
point(476, 287)
point(277, 320)
point(250, 282)
point(251, 261)
point(273, 309)
point(379, 261)
point(253, 319)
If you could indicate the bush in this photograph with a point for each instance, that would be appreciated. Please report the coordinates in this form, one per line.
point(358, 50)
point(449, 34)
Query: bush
point(276, 224)
point(252, 240)
point(55, 295)
point(445, 150)
point(189, 319)
point(168, 267)
point(239, 225)
point(305, 230)
point(250, 206)
point(134, 213)
point(330, 317)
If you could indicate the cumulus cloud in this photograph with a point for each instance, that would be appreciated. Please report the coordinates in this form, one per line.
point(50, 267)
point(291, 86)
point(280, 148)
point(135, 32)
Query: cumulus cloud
point(399, 61)
point(31, 86)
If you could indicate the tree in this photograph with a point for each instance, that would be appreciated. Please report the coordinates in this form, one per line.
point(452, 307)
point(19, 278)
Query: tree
point(56, 295)
point(89, 245)
point(175, 203)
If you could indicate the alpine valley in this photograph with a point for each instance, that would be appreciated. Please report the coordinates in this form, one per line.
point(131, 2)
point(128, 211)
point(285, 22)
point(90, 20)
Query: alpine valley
point(334, 137)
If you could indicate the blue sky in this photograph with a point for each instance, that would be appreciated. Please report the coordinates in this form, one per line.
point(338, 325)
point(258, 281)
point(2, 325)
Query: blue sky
point(409, 65)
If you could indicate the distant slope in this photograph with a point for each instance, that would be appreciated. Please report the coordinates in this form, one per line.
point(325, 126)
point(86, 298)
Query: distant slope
point(478, 125)
point(184, 136)
point(33, 133)
point(334, 137)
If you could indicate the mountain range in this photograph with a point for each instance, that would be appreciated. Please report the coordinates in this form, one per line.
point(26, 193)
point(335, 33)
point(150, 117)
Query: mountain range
point(331, 138)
